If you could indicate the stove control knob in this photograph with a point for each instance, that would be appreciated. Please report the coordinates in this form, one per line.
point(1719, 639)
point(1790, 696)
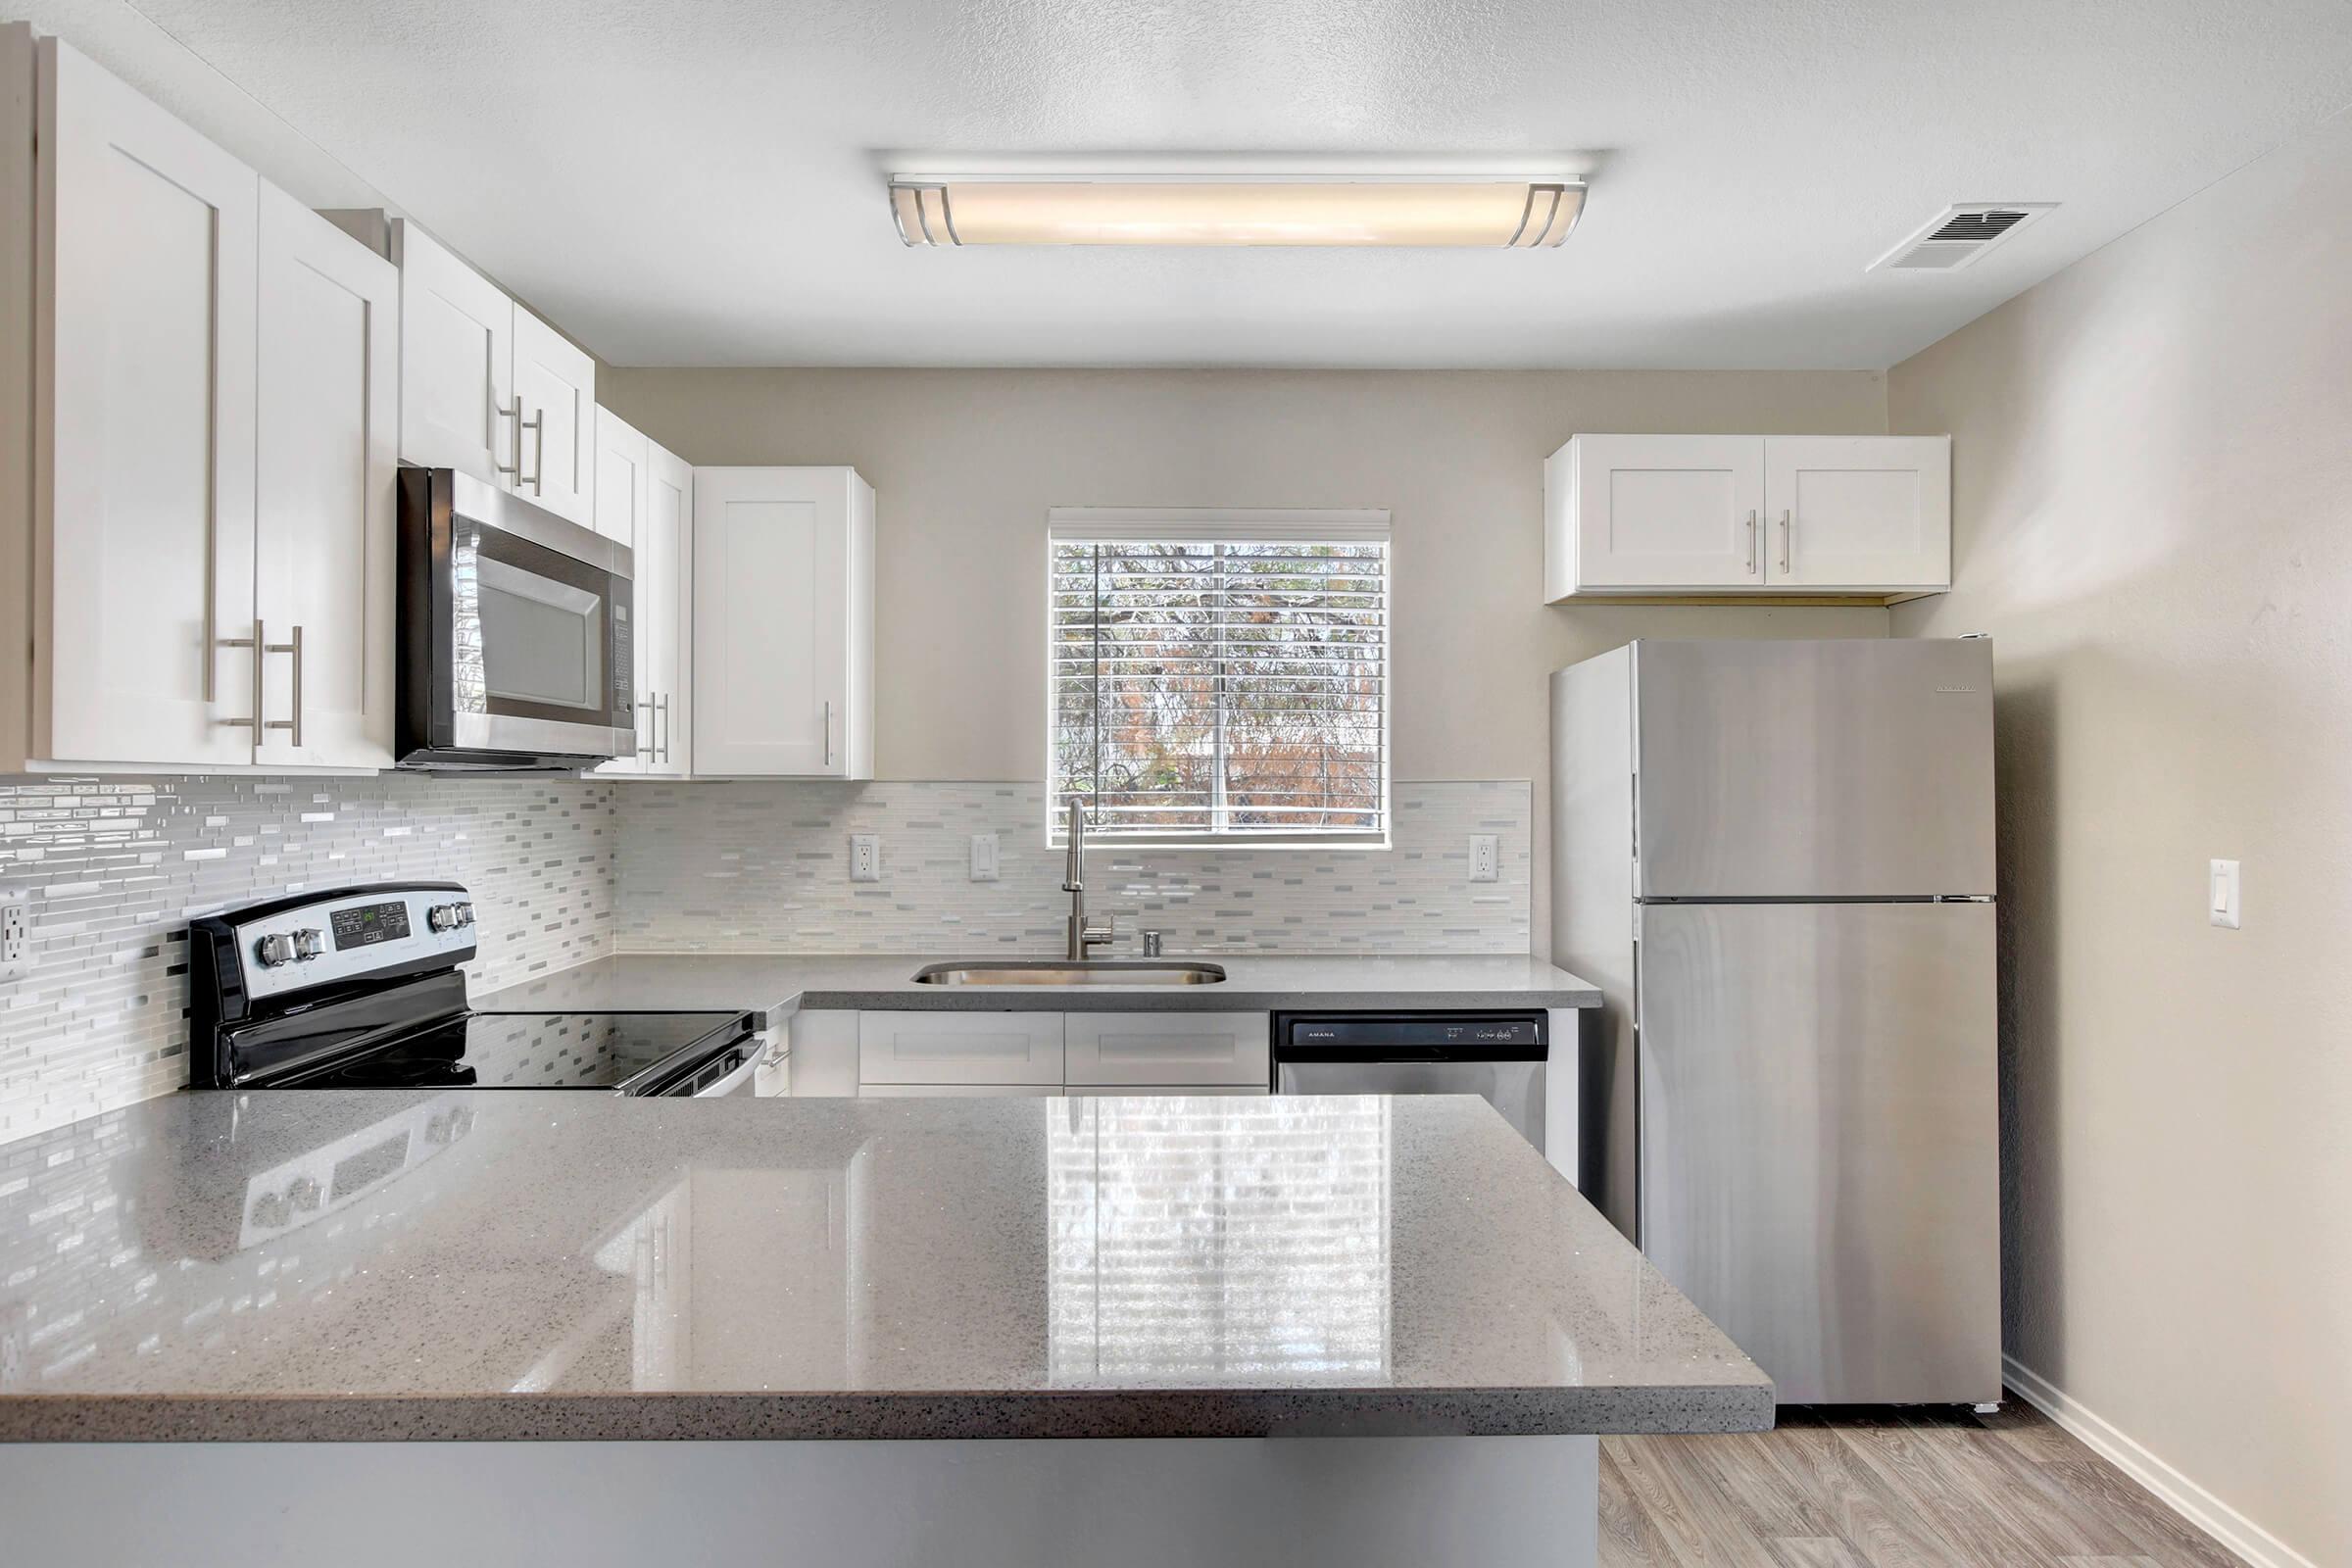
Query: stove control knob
point(309, 945)
point(443, 916)
point(275, 950)
point(466, 912)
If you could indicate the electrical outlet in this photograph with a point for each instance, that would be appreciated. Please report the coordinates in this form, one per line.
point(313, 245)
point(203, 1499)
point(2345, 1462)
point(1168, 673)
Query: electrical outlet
point(16, 940)
point(1486, 857)
point(866, 857)
point(984, 857)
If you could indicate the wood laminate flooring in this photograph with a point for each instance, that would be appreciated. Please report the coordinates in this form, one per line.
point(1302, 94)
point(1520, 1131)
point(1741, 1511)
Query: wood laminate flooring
point(1872, 1487)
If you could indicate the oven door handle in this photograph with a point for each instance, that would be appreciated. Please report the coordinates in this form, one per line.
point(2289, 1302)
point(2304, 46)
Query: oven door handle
point(734, 1079)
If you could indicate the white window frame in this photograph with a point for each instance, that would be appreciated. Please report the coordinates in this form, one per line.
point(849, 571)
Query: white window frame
point(1252, 525)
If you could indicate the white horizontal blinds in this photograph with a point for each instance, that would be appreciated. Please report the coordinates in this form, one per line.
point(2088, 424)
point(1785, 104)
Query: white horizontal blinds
point(1222, 686)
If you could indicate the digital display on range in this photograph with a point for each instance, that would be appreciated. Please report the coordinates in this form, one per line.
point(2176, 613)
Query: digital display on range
point(370, 924)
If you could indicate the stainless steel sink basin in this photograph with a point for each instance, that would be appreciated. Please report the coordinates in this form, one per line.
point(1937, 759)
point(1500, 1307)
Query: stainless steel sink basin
point(1060, 972)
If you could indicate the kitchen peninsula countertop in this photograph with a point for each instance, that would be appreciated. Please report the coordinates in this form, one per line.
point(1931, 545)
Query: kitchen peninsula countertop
point(780, 985)
point(531, 1264)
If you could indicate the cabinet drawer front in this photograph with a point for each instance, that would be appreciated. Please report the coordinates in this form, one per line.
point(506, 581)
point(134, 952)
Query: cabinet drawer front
point(1161, 1050)
point(1159, 1090)
point(956, 1090)
point(959, 1047)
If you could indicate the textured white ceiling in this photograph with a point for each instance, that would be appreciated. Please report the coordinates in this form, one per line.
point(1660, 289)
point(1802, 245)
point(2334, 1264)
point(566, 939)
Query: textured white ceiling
point(700, 183)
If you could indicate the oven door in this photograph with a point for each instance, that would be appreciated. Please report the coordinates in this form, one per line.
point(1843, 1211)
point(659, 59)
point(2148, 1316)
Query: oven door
point(529, 657)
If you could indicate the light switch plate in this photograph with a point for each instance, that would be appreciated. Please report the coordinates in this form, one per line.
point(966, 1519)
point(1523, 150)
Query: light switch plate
point(1486, 857)
point(984, 857)
point(2221, 889)
point(866, 857)
point(16, 940)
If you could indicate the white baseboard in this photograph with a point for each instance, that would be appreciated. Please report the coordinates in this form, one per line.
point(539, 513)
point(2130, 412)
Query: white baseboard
point(2193, 1503)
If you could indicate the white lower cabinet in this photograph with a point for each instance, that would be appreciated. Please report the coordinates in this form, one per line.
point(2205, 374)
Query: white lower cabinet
point(959, 1047)
point(958, 1091)
point(1083, 1053)
point(1115, 1049)
point(1108, 1090)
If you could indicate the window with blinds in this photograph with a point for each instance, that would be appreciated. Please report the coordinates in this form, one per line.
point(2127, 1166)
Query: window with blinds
point(1221, 678)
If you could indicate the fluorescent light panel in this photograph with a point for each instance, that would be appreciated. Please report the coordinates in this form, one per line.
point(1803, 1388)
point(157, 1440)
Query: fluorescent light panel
point(1502, 212)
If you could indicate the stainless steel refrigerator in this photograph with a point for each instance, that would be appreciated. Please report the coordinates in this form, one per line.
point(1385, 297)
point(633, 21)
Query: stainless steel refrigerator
point(1776, 859)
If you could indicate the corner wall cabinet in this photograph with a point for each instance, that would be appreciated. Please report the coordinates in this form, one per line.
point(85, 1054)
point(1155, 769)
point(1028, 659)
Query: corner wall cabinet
point(783, 631)
point(488, 388)
point(199, 570)
point(1741, 515)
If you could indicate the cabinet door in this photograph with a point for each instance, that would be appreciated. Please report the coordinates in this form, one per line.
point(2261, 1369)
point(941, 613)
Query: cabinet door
point(667, 580)
point(621, 478)
point(773, 621)
point(145, 503)
point(1859, 511)
point(323, 485)
point(1163, 1049)
point(1669, 512)
point(959, 1047)
point(456, 362)
point(556, 384)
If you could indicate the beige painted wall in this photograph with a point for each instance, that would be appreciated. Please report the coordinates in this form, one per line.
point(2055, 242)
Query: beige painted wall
point(2153, 476)
point(966, 463)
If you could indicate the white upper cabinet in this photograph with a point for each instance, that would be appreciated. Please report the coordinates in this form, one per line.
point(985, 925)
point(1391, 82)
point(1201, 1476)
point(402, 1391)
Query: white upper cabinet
point(1650, 511)
point(330, 325)
point(488, 388)
point(456, 362)
point(622, 458)
point(1868, 512)
point(556, 384)
point(209, 372)
point(1707, 515)
point(783, 622)
point(665, 588)
point(149, 276)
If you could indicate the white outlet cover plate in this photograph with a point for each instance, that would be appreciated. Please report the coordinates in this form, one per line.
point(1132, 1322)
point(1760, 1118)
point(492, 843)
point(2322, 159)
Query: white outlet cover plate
point(984, 857)
point(1486, 857)
point(866, 857)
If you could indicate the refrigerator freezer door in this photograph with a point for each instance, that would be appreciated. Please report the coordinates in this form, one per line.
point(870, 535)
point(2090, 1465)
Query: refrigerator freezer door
point(1818, 1141)
point(1855, 768)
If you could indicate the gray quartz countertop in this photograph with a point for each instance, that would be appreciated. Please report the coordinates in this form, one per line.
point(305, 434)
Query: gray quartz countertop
point(533, 1264)
point(780, 984)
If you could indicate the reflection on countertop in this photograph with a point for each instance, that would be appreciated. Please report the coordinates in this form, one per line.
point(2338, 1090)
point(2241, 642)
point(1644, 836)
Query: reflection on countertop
point(525, 1265)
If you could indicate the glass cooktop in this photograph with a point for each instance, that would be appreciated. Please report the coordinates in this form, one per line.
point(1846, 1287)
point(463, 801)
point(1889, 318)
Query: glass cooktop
point(530, 1051)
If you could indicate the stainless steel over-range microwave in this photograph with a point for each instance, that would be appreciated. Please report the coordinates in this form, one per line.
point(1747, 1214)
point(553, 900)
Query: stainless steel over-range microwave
point(514, 628)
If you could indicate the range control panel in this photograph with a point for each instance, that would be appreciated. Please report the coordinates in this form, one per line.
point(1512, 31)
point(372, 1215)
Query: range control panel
point(350, 935)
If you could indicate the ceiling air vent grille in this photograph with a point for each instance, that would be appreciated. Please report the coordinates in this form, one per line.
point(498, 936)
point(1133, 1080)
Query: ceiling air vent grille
point(1958, 235)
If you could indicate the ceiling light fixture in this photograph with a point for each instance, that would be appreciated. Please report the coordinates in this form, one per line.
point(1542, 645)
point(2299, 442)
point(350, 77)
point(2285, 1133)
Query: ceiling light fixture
point(1491, 210)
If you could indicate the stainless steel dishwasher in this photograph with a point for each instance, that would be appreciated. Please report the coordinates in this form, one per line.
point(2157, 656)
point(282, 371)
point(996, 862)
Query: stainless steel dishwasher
point(1499, 1056)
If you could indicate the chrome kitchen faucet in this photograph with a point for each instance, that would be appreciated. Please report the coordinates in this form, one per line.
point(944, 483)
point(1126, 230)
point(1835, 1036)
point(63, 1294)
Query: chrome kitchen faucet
point(1082, 937)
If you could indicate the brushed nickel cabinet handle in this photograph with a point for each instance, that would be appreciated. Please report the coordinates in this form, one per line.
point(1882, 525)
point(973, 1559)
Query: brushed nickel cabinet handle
point(497, 413)
point(537, 426)
point(1752, 541)
point(254, 642)
point(1786, 528)
point(662, 714)
point(294, 646)
point(828, 732)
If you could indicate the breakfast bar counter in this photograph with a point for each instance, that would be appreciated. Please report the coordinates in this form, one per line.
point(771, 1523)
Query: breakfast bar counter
point(370, 1268)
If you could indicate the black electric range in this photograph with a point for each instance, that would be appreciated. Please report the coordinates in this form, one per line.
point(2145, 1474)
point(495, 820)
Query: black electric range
point(360, 987)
